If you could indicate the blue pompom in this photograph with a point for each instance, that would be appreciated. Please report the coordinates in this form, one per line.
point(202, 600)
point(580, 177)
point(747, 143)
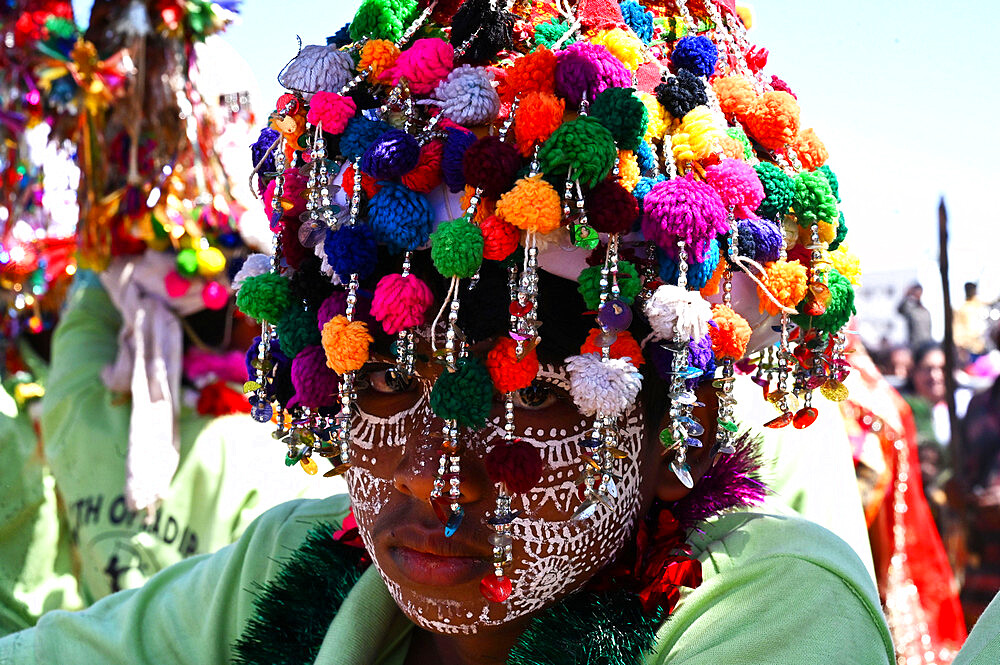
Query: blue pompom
point(401, 218)
point(351, 249)
point(257, 151)
point(360, 133)
point(766, 238)
point(646, 158)
point(638, 19)
point(698, 274)
point(391, 155)
point(455, 145)
point(643, 186)
point(696, 54)
point(341, 38)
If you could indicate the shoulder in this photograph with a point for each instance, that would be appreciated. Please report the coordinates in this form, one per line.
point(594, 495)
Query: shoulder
point(288, 524)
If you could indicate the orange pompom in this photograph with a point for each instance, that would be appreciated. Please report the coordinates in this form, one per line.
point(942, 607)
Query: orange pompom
point(534, 72)
point(380, 55)
point(827, 233)
point(786, 280)
point(735, 94)
point(509, 373)
point(368, 185)
point(532, 205)
point(812, 153)
point(712, 285)
point(732, 148)
point(773, 120)
point(628, 169)
point(730, 334)
point(538, 115)
point(624, 346)
point(483, 210)
point(346, 344)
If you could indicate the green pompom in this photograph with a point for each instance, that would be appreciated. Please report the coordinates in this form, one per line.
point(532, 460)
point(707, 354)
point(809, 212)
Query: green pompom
point(841, 233)
point(297, 329)
point(738, 134)
point(778, 188)
point(187, 262)
point(457, 248)
point(838, 311)
point(814, 201)
point(383, 19)
point(583, 145)
point(590, 284)
point(465, 395)
point(831, 177)
point(622, 114)
point(549, 32)
point(264, 297)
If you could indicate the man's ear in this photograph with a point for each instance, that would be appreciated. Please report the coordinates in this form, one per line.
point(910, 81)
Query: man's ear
point(669, 488)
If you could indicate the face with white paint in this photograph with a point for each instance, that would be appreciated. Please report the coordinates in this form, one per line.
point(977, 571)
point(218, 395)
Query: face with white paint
point(434, 579)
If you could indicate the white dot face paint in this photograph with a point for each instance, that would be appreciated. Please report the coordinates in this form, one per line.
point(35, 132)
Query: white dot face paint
point(553, 554)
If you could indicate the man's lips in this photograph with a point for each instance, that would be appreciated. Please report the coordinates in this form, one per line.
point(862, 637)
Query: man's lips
point(427, 557)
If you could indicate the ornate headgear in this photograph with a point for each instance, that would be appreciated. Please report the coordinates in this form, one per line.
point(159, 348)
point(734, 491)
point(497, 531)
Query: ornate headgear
point(638, 151)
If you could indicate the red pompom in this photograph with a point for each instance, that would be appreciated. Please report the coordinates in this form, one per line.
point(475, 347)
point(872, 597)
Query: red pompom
point(291, 248)
point(368, 185)
point(290, 100)
point(426, 175)
point(507, 371)
point(534, 72)
point(611, 208)
point(518, 465)
point(624, 346)
point(500, 238)
point(491, 165)
point(218, 399)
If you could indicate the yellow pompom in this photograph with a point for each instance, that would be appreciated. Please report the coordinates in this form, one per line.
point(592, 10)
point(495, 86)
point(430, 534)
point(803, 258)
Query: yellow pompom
point(657, 125)
point(847, 264)
point(746, 15)
point(628, 169)
point(623, 45)
point(697, 137)
point(346, 344)
point(827, 233)
point(211, 262)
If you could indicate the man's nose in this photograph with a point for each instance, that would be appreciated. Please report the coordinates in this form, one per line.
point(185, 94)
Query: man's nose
point(421, 464)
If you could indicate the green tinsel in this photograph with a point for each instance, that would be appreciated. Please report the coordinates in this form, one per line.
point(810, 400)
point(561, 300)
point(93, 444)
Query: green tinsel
point(297, 329)
point(738, 134)
point(590, 284)
point(583, 145)
point(465, 395)
point(457, 248)
point(622, 114)
point(814, 200)
point(841, 233)
point(293, 611)
point(549, 32)
point(831, 177)
point(383, 19)
point(264, 297)
point(187, 262)
point(779, 190)
point(838, 311)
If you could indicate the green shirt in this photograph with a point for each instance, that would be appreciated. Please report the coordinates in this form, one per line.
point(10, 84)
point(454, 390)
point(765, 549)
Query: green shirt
point(229, 471)
point(776, 590)
point(983, 645)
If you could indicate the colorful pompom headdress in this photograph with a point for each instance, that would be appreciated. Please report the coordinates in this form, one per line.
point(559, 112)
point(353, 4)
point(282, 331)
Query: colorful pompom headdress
point(639, 152)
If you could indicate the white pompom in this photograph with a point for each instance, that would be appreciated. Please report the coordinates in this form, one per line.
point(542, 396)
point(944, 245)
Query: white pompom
point(673, 307)
point(318, 68)
point(467, 96)
point(256, 264)
point(606, 387)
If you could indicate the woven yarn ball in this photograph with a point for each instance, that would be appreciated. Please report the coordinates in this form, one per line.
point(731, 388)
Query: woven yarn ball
point(584, 70)
point(623, 114)
point(400, 218)
point(464, 395)
point(683, 209)
point(264, 297)
point(457, 248)
point(582, 147)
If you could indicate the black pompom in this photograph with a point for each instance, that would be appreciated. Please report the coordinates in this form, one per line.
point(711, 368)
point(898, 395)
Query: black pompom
point(679, 94)
point(309, 284)
point(495, 30)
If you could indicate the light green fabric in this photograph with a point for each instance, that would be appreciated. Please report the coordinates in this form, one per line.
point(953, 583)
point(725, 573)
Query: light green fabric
point(983, 644)
point(229, 471)
point(809, 471)
point(776, 590)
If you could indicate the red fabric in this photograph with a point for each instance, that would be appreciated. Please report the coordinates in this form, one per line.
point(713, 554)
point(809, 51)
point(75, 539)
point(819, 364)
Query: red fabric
point(600, 14)
point(218, 399)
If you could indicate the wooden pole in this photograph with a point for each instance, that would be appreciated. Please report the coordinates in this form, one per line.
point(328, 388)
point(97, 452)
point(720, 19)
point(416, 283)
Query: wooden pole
point(955, 445)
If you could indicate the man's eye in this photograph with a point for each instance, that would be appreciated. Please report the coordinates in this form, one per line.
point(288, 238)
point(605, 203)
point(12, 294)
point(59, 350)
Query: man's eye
point(537, 396)
point(390, 381)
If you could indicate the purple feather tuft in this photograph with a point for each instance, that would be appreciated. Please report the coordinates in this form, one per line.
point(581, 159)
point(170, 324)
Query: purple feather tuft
point(732, 482)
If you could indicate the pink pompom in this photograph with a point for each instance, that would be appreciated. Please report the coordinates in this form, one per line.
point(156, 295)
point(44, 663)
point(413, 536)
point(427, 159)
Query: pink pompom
point(683, 209)
point(293, 190)
point(423, 65)
point(315, 384)
point(331, 109)
point(737, 183)
point(400, 302)
point(175, 285)
point(215, 295)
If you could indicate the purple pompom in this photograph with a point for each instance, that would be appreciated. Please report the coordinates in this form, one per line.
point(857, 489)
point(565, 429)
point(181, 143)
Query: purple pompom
point(700, 355)
point(315, 384)
point(455, 145)
point(258, 149)
point(696, 54)
point(766, 238)
point(392, 155)
point(491, 164)
point(683, 209)
point(732, 482)
point(584, 70)
point(336, 304)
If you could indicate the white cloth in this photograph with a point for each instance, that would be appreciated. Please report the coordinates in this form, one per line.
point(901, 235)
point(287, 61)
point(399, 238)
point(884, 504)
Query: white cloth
point(149, 363)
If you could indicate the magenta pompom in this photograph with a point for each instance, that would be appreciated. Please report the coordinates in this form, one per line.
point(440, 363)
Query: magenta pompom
point(215, 296)
point(584, 70)
point(423, 65)
point(331, 109)
point(683, 209)
point(611, 208)
point(737, 184)
point(315, 384)
point(400, 302)
point(491, 164)
point(336, 304)
point(293, 189)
